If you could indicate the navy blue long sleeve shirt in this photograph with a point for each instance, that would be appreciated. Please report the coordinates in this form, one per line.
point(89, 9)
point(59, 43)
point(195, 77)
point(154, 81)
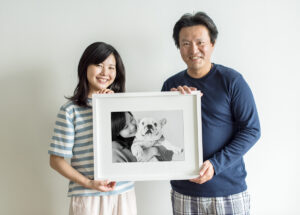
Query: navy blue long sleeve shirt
point(230, 127)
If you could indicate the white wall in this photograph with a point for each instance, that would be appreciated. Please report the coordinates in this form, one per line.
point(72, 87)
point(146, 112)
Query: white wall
point(40, 46)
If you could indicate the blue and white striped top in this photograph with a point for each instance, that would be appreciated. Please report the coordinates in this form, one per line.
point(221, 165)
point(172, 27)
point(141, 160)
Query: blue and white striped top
point(73, 138)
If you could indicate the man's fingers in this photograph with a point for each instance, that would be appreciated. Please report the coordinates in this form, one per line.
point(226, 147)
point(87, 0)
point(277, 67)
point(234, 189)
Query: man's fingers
point(203, 169)
point(195, 180)
point(181, 89)
point(200, 180)
point(206, 173)
point(187, 89)
point(184, 89)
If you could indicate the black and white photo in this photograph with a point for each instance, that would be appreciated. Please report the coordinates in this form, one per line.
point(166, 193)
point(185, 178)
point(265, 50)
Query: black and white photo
point(147, 136)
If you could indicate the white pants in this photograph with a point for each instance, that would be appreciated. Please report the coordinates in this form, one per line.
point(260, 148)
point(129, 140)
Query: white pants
point(122, 204)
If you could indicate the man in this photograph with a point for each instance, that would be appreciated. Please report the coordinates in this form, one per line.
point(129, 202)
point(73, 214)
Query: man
point(230, 123)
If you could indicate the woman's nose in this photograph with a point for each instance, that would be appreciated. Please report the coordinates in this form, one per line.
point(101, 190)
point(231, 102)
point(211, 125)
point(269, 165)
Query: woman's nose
point(132, 127)
point(104, 71)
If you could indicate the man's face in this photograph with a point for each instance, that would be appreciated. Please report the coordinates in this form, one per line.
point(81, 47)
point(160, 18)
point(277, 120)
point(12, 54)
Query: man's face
point(195, 47)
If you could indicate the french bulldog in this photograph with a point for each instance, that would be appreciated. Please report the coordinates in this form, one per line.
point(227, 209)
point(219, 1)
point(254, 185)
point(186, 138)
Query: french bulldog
point(150, 134)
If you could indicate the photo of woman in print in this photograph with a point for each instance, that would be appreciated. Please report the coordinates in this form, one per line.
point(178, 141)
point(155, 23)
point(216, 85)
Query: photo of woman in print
point(124, 128)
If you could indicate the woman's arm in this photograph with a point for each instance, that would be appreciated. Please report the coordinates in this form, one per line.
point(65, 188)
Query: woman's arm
point(65, 169)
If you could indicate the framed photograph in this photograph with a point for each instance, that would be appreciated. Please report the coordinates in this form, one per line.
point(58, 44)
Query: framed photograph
point(147, 136)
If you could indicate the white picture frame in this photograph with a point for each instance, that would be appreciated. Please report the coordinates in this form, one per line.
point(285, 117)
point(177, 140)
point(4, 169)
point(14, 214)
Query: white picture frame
point(189, 104)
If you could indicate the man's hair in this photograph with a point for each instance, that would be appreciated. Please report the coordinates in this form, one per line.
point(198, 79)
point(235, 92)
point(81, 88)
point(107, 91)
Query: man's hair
point(200, 18)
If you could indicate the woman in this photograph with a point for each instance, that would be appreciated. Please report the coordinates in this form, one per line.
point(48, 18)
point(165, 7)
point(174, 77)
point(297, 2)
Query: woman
point(100, 70)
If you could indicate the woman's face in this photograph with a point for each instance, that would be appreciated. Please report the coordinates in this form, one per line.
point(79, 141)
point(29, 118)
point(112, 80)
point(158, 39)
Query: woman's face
point(102, 75)
point(130, 127)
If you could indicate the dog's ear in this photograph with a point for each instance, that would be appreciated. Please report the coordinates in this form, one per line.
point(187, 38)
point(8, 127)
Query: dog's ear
point(163, 122)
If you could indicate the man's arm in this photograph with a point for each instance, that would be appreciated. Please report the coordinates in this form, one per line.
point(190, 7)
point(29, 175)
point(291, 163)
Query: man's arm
point(245, 116)
point(206, 172)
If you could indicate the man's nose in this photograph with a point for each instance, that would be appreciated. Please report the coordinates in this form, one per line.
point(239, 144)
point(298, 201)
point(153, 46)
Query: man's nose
point(194, 48)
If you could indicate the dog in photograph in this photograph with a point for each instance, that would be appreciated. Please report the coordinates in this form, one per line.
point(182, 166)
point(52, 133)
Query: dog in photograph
point(149, 134)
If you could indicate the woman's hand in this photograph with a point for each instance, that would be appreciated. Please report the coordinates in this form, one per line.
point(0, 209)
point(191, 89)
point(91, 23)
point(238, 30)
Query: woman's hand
point(63, 167)
point(105, 91)
point(103, 186)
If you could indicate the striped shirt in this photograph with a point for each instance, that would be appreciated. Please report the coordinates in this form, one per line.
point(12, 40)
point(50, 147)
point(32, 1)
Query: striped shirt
point(73, 138)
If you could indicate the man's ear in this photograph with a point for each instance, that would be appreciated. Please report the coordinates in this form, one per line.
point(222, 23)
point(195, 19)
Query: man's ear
point(163, 122)
point(213, 44)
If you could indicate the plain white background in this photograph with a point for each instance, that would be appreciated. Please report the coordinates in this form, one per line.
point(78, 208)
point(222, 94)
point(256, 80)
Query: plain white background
point(40, 46)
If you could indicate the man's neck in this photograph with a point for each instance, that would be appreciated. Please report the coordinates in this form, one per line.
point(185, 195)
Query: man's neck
point(199, 73)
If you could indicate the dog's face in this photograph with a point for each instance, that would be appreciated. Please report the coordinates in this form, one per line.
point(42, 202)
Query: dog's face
point(150, 129)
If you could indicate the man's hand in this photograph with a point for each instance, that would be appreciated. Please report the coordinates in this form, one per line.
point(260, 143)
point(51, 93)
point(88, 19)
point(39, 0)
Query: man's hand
point(184, 89)
point(103, 186)
point(206, 173)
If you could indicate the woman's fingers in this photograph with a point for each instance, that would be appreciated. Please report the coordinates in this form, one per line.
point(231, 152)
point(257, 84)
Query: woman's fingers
point(103, 185)
point(105, 91)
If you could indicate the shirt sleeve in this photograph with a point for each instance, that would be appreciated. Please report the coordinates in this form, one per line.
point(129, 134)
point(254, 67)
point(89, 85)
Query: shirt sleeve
point(165, 154)
point(62, 141)
point(120, 154)
point(165, 87)
point(245, 116)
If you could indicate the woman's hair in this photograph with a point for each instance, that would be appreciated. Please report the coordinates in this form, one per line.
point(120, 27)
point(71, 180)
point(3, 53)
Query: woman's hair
point(200, 18)
point(118, 122)
point(96, 53)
